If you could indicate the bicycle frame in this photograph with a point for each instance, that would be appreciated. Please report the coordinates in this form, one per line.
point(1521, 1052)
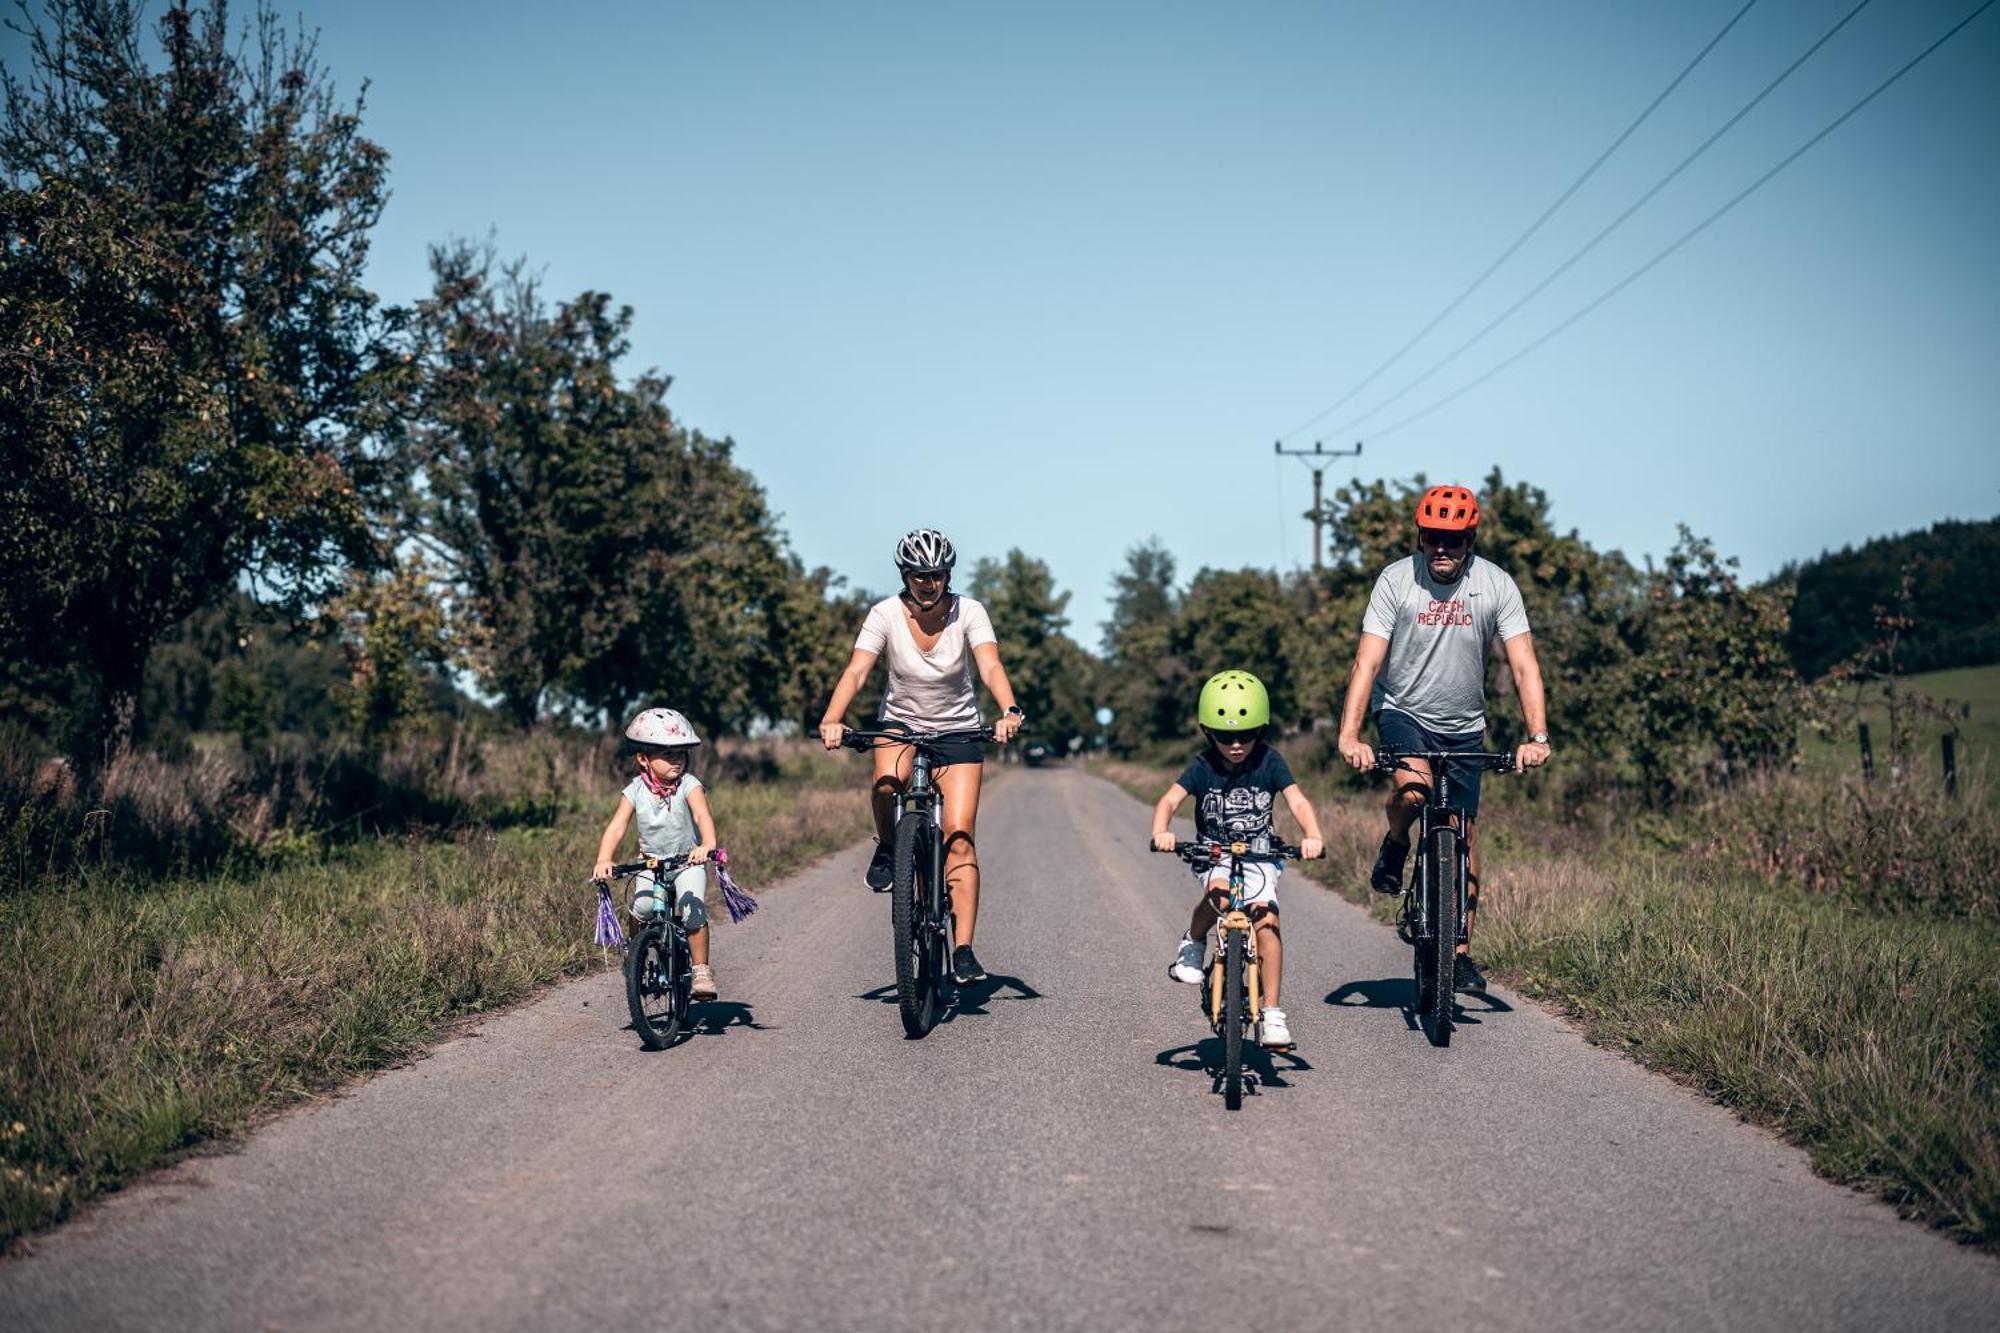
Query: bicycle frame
point(1236, 918)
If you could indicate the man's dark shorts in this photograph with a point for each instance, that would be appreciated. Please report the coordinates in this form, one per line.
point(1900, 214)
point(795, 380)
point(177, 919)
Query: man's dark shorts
point(1400, 731)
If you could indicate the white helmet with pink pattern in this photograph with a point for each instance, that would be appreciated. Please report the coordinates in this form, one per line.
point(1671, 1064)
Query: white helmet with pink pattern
point(661, 728)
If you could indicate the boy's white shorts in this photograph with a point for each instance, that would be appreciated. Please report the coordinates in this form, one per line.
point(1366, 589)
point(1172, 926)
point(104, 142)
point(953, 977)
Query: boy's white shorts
point(1260, 881)
point(690, 896)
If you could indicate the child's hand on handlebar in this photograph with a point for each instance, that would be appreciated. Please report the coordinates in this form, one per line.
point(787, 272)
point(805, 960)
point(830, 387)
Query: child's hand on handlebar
point(602, 871)
point(831, 734)
point(1163, 841)
point(1311, 849)
point(699, 854)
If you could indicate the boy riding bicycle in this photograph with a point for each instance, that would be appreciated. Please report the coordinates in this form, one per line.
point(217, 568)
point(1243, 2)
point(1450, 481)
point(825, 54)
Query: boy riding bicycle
point(1234, 782)
point(1421, 670)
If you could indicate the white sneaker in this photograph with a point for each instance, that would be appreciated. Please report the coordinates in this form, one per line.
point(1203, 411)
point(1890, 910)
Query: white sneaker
point(702, 985)
point(1187, 962)
point(1272, 1031)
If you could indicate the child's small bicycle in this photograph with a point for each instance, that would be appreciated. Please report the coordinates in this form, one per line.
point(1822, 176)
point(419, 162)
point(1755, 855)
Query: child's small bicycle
point(1233, 996)
point(659, 972)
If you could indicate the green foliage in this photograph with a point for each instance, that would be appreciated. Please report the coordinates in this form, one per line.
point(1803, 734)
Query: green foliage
point(398, 642)
point(192, 385)
point(1054, 679)
point(1841, 596)
point(1148, 687)
point(244, 668)
point(1709, 676)
point(597, 551)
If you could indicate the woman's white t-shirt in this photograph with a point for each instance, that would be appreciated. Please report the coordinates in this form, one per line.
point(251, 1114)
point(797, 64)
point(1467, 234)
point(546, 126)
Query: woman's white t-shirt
point(928, 691)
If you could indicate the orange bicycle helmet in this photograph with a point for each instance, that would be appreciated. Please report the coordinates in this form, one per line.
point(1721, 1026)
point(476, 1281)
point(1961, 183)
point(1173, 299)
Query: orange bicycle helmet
point(1448, 509)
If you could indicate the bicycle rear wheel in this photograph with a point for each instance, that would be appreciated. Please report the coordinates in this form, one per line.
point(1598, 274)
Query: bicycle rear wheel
point(917, 978)
point(655, 987)
point(1441, 948)
point(1232, 1019)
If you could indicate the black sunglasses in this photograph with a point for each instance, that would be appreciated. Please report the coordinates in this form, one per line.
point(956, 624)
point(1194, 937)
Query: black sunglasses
point(1446, 541)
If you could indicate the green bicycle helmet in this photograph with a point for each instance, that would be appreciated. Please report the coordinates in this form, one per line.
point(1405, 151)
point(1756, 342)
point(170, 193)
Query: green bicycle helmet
point(1234, 701)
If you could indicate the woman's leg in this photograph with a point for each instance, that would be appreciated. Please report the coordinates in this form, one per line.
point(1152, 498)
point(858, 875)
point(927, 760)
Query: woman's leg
point(958, 785)
point(892, 772)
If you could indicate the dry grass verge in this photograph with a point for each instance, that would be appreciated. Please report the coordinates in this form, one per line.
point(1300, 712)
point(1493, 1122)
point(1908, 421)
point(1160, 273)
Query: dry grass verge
point(1856, 1010)
point(140, 1016)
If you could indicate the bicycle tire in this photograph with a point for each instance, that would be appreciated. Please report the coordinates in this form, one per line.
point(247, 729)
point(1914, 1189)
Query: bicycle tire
point(909, 915)
point(1442, 946)
point(652, 988)
point(1232, 1020)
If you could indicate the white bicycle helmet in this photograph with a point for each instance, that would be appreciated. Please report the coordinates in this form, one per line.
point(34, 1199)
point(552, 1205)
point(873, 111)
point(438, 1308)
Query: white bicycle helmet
point(660, 728)
point(925, 548)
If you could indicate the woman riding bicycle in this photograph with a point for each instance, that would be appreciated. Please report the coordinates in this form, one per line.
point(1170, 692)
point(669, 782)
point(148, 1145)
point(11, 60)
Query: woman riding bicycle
point(933, 639)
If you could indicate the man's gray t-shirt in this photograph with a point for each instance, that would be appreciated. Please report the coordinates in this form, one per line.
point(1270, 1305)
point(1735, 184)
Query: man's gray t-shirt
point(1438, 633)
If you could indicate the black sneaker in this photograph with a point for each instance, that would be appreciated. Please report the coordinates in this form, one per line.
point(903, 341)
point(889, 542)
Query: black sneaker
point(1466, 976)
point(881, 868)
point(1387, 876)
point(965, 968)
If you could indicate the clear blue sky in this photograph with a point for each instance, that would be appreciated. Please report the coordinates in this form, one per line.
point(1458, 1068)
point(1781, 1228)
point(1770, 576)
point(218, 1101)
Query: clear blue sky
point(1055, 275)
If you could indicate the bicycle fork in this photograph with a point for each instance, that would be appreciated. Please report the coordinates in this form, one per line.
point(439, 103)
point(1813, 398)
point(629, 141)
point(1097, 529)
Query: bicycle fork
point(1236, 919)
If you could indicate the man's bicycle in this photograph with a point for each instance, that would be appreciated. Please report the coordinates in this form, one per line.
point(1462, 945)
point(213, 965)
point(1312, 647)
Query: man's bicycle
point(1436, 896)
point(1233, 996)
point(659, 971)
point(919, 900)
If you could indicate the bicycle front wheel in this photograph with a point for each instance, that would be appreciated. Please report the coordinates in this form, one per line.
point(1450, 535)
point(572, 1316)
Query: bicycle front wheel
point(1232, 1019)
point(1441, 949)
point(654, 982)
point(910, 914)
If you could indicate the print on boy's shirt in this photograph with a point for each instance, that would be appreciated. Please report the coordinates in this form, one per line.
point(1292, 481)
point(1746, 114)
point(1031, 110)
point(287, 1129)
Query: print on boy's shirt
point(1245, 812)
point(1445, 613)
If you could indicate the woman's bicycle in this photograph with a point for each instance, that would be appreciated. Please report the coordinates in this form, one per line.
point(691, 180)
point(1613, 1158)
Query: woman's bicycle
point(1436, 897)
point(919, 900)
point(659, 971)
point(1233, 996)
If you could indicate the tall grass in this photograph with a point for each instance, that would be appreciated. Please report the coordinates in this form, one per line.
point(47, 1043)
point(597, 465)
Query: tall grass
point(1821, 956)
point(142, 1014)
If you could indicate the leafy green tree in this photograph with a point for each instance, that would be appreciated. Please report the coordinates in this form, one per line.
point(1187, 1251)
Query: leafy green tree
point(1054, 679)
point(599, 553)
point(1710, 678)
point(399, 642)
point(1146, 682)
point(1841, 596)
point(193, 374)
point(1238, 619)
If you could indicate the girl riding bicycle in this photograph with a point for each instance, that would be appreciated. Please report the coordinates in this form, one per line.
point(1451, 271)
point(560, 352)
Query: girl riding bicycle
point(933, 639)
point(1235, 781)
point(671, 807)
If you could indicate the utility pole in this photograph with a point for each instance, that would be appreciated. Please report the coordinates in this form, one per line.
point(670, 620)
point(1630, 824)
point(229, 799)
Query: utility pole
point(1318, 512)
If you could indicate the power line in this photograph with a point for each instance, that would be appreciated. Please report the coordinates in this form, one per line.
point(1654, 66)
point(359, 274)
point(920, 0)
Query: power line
point(1524, 237)
point(1693, 232)
point(1614, 225)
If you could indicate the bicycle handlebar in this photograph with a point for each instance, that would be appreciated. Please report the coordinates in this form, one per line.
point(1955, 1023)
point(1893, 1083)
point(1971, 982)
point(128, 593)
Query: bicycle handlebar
point(856, 739)
point(659, 865)
point(1388, 761)
point(1208, 852)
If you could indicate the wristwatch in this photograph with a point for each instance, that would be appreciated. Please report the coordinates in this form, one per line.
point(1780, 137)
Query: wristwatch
point(1538, 738)
point(1014, 710)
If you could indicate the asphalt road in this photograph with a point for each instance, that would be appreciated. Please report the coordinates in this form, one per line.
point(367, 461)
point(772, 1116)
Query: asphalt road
point(1053, 1157)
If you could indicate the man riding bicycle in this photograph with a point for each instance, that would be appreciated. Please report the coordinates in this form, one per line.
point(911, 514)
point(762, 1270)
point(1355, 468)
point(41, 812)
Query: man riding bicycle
point(1421, 670)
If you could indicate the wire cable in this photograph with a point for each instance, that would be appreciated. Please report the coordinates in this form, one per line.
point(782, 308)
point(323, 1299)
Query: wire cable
point(1524, 237)
point(1614, 225)
point(1693, 232)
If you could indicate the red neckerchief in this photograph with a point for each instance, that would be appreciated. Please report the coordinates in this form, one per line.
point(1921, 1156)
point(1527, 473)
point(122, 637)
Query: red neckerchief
point(664, 790)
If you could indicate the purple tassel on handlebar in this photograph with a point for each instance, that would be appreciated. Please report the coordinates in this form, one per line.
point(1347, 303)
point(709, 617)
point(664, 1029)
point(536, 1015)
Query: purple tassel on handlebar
point(609, 933)
point(739, 903)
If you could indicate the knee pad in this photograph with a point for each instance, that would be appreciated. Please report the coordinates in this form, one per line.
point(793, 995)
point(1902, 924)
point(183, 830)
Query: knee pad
point(694, 912)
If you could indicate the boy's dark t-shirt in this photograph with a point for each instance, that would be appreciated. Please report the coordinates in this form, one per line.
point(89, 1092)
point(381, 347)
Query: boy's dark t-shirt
point(1235, 807)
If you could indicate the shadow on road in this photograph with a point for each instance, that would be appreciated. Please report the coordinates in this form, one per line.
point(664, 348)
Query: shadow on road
point(971, 1000)
point(1261, 1068)
point(1400, 993)
point(711, 1018)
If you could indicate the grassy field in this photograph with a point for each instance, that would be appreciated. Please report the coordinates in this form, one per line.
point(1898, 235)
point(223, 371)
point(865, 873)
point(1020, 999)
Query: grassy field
point(1867, 1034)
point(142, 1017)
point(1973, 696)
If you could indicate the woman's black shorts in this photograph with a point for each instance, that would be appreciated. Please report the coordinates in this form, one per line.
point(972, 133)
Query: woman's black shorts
point(968, 751)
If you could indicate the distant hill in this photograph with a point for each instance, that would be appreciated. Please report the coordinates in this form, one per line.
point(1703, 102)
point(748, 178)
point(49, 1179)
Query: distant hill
point(1957, 625)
